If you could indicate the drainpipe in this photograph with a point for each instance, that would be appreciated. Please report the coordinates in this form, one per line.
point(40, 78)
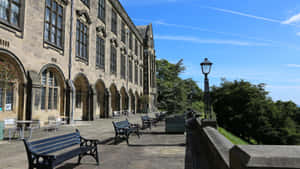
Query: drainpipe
point(70, 63)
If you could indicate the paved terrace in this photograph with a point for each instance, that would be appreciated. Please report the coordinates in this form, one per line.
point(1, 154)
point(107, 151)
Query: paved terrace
point(154, 150)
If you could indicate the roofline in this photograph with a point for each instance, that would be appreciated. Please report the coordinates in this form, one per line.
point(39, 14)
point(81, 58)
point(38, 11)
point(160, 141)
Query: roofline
point(120, 9)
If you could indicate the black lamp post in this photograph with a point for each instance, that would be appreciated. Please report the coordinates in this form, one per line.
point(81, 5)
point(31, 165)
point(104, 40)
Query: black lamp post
point(206, 67)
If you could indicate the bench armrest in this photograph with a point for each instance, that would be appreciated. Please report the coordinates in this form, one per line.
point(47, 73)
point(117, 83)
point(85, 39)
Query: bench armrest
point(89, 142)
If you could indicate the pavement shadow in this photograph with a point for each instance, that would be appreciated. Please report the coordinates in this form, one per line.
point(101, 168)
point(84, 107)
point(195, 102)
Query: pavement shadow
point(157, 145)
point(73, 165)
point(68, 166)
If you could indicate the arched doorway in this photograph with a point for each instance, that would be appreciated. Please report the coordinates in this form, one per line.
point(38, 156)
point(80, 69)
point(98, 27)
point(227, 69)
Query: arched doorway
point(115, 98)
point(49, 99)
point(124, 98)
point(102, 99)
point(82, 98)
point(12, 78)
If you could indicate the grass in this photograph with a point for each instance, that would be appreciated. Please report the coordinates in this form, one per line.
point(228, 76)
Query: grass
point(234, 139)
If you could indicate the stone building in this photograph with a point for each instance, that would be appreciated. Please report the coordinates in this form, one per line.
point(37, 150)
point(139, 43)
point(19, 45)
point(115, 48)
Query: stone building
point(80, 59)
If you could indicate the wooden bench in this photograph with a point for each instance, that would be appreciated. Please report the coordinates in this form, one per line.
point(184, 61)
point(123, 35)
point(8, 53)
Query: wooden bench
point(147, 122)
point(50, 152)
point(124, 129)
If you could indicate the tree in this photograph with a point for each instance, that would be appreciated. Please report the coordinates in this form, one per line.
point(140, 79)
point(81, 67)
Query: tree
point(175, 94)
point(247, 111)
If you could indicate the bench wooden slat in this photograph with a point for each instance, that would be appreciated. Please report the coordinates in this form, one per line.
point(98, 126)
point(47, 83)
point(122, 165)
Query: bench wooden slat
point(46, 144)
point(53, 138)
point(58, 147)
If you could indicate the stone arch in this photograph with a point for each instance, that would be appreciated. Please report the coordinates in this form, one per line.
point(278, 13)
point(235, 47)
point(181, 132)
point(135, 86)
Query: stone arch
point(12, 80)
point(124, 99)
point(56, 69)
point(102, 99)
point(82, 87)
point(48, 98)
point(115, 98)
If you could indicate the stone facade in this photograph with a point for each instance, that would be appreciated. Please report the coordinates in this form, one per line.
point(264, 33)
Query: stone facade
point(55, 71)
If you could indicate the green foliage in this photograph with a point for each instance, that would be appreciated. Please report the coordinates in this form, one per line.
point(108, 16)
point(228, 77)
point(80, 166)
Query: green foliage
point(234, 139)
point(175, 94)
point(247, 111)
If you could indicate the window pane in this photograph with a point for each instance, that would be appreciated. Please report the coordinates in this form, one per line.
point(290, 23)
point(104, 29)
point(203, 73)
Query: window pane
point(44, 77)
point(43, 98)
point(55, 98)
point(60, 10)
point(59, 22)
point(14, 17)
point(58, 38)
point(53, 34)
point(46, 34)
point(51, 79)
point(54, 4)
point(48, 2)
point(9, 98)
point(53, 19)
point(47, 14)
point(50, 98)
point(3, 9)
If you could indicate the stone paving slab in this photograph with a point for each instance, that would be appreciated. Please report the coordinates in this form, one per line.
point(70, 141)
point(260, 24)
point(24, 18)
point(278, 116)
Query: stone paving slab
point(153, 150)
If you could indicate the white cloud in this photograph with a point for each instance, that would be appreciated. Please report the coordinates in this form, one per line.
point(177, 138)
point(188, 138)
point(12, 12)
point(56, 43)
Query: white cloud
point(293, 65)
point(298, 33)
point(209, 41)
point(244, 14)
point(293, 19)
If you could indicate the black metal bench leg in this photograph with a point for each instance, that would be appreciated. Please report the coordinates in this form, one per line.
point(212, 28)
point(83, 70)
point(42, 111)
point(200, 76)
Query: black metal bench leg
point(97, 156)
point(79, 159)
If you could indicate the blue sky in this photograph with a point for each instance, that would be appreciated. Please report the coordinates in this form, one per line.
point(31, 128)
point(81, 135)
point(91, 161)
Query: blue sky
point(254, 40)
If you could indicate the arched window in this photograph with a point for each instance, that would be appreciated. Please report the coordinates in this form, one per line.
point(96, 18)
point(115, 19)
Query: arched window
point(8, 84)
point(49, 91)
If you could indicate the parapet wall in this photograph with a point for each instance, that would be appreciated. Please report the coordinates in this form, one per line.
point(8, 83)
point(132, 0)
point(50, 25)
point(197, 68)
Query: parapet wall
point(209, 149)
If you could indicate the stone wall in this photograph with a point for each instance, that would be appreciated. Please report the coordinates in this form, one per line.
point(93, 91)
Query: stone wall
point(209, 149)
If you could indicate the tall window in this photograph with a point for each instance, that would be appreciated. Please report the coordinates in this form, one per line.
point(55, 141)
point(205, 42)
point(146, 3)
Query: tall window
point(123, 66)
point(113, 60)
point(114, 21)
point(10, 12)
point(123, 34)
point(100, 52)
point(50, 91)
point(53, 23)
point(101, 10)
point(86, 2)
point(130, 71)
point(136, 47)
point(130, 40)
point(141, 52)
point(136, 74)
point(82, 40)
point(141, 77)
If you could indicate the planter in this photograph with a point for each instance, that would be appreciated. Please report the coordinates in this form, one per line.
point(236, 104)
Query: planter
point(175, 124)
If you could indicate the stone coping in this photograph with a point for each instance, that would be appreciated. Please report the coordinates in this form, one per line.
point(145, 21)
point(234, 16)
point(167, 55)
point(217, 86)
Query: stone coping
point(265, 156)
point(220, 143)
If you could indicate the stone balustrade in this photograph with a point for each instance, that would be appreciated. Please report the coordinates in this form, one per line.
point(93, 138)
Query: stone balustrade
point(209, 149)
